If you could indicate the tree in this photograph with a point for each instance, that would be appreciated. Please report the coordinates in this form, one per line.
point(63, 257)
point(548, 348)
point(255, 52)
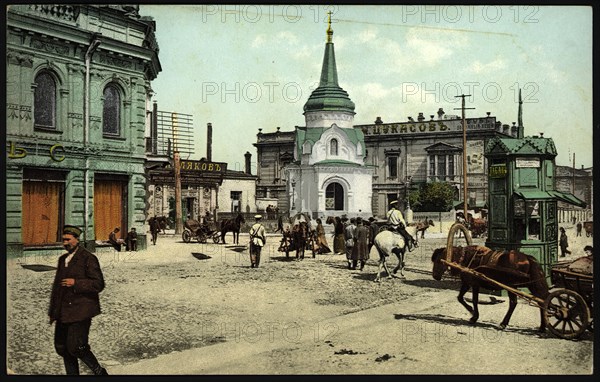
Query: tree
point(436, 196)
point(414, 198)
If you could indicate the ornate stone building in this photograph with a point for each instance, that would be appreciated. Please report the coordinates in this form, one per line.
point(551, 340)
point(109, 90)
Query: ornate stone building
point(375, 163)
point(78, 91)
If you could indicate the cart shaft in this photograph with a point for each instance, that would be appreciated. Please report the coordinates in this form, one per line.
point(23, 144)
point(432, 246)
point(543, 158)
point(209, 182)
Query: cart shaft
point(480, 275)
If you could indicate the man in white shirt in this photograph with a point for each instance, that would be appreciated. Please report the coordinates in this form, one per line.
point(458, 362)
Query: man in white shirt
point(396, 220)
point(257, 241)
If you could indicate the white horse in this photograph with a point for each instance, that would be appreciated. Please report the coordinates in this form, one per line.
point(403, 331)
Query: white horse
point(388, 242)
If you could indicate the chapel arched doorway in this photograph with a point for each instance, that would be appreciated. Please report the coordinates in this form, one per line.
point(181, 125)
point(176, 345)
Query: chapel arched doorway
point(334, 197)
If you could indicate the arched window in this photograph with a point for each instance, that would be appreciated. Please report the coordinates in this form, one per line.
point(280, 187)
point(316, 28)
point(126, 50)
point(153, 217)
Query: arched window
point(44, 103)
point(333, 147)
point(111, 113)
point(334, 197)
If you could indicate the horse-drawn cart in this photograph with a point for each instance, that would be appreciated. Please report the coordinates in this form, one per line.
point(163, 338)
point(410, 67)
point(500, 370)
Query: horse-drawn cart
point(193, 229)
point(565, 312)
point(576, 276)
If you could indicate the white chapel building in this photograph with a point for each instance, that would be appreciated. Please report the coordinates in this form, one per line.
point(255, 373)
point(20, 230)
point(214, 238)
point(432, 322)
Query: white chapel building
point(328, 175)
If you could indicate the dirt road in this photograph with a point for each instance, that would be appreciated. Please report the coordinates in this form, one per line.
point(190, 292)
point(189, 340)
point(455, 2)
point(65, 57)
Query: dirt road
point(181, 308)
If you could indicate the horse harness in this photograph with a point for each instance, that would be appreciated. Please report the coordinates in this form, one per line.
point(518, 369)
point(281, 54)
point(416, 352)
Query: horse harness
point(488, 258)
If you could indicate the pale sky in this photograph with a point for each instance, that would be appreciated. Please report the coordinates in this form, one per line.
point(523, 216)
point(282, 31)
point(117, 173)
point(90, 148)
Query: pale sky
point(245, 67)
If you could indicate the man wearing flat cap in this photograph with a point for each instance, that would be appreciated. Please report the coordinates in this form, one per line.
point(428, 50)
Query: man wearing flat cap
point(257, 241)
point(396, 220)
point(73, 303)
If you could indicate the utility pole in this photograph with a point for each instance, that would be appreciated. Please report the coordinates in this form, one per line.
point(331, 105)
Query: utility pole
point(464, 126)
point(177, 170)
point(573, 185)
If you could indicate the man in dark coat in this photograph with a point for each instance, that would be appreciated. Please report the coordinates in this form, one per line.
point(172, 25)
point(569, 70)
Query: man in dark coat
point(350, 237)
point(360, 251)
point(563, 243)
point(155, 227)
point(131, 240)
point(73, 303)
point(373, 231)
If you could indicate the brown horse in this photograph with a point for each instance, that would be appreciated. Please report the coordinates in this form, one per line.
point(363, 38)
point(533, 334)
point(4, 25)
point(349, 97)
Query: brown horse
point(422, 227)
point(512, 268)
point(232, 225)
point(300, 234)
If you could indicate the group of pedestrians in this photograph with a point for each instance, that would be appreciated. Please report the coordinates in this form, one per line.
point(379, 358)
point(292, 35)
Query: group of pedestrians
point(354, 237)
point(130, 240)
point(358, 238)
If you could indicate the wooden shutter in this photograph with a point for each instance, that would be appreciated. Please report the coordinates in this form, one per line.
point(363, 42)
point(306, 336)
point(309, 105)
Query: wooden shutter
point(41, 212)
point(108, 199)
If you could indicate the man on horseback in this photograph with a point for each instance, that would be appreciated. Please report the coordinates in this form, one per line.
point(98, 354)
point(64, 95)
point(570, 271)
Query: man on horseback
point(396, 220)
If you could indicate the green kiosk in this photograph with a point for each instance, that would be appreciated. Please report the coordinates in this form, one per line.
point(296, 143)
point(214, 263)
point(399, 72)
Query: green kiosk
point(522, 197)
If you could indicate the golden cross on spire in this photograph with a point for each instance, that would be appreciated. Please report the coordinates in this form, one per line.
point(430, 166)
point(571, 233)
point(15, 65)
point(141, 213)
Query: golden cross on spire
point(329, 30)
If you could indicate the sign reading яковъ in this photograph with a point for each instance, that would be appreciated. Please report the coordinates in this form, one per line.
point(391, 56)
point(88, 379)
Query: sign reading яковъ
point(203, 166)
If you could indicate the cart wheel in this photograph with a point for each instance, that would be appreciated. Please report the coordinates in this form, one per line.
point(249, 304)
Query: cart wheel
point(186, 236)
point(216, 237)
point(566, 313)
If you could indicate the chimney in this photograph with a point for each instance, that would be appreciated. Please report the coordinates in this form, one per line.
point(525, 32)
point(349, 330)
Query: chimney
point(440, 113)
point(209, 142)
point(505, 129)
point(514, 130)
point(248, 156)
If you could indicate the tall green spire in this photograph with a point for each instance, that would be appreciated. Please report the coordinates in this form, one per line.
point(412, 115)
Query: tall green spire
point(329, 95)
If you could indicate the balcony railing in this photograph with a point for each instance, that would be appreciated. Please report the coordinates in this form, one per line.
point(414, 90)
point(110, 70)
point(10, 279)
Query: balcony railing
point(65, 12)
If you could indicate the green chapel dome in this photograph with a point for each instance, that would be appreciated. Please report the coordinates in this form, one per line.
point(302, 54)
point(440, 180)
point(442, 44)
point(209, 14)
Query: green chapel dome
point(329, 96)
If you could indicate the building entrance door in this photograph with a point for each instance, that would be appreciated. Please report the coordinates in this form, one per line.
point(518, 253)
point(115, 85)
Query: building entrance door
point(42, 206)
point(109, 208)
point(334, 197)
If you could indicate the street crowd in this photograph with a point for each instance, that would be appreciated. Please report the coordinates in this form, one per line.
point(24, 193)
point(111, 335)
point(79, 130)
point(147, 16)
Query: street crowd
point(352, 237)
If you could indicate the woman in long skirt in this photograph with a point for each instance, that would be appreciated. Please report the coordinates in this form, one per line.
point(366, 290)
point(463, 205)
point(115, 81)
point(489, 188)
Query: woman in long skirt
point(323, 247)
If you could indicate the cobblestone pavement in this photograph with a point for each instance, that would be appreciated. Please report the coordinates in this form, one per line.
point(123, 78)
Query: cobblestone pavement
point(175, 297)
